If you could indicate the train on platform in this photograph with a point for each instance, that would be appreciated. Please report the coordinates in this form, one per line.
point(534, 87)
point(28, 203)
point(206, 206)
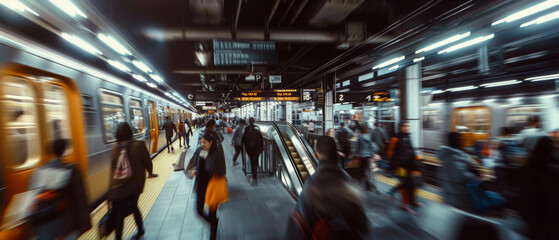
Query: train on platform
point(45, 96)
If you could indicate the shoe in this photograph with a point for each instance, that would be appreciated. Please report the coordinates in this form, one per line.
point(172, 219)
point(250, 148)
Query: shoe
point(139, 234)
point(153, 175)
point(417, 204)
point(168, 151)
point(172, 149)
point(407, 208)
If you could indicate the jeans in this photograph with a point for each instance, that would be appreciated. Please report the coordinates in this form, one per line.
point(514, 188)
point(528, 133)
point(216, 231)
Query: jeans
point(238, 150)
point(122, 209)
point(169, 142)
point(211, 218)
point(254, 164)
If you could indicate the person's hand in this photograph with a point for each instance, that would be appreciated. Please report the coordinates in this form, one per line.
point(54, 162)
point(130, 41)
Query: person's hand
point(341, 154)
point(193, 173)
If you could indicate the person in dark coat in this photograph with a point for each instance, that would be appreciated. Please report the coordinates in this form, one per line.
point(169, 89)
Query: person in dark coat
point(125, 196)
point(380, 138)
point(254, 145)
point(330, 195)
point(169, 127)
point(205, 163)
point(237, 141)
point(188, 134)
point(343, 136)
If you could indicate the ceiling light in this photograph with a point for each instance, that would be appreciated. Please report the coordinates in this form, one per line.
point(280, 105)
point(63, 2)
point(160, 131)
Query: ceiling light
point(462, 102)
point(393, 68)
point(438, 91)
point(151, 85)
point(168, 94)
point(119, 65)
point(546, 18)
point(111, 42)
point(548, 96)
point(467, 43)
point(443, 42)
point(139, 78)
point(515, 99)
point(542, 78)
point(489, 100)
point(418, 59)
point(527, 12)
point(81, 43)
point(68, 7)
point(389, 62)
point(156, 78)
point(458, 89)
point(141, 66)
point(498, 84)
point(176, 94)
point(16, 5)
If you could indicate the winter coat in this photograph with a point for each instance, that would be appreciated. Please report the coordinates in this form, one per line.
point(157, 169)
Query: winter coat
point(457, 171)
point(401, 152)
point(250, 132)
point(328, 193)
point(169, 127)
point(343, 136)
point(140, 161)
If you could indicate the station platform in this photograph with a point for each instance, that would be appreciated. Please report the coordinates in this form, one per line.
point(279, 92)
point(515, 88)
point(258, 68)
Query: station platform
point(261, 212)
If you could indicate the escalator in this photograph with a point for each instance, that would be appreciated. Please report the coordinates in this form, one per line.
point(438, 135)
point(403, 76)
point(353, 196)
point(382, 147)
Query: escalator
point(293, 154)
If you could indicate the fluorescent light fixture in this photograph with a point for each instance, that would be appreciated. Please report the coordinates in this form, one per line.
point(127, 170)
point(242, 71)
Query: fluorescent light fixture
point(418, 59)
point(389, 62)
point(16, 5)
point(167, 94)
point(139, 78)
point(119, 65)
point(546, 18)
point(443, 42)
point(543, 78)
point(156, 78)
point(515, 99)
point(68, 7)
point(527, 12)
point(394, 67)
point(501, 83)
point(151, 85)
point(462, 102)
point(141, 66)
point(489, 100)
point(458, 89)
point(467, 43)
point(81, 43)
point(435, 104)
point(549, 96)
point(176, 94)
point(438, 91)
point(111, 42)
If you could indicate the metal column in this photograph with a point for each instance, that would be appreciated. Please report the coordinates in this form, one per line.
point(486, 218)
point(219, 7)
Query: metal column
point(410, 109)
point(328, 110)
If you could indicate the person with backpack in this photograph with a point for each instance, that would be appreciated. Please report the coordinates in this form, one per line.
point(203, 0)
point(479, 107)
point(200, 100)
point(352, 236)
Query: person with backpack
point(129, 161)
point(238, 141)
point(169, 127)
point(330, 205)
point(365, 149)
point(254, 145)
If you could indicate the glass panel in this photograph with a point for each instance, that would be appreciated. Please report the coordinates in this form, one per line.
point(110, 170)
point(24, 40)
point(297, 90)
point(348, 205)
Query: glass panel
point(161, 117)
point(431, 119)
point(150, 112)
point(517, 117)
point(112, 115)
point(136, 116)
point(21, 122)
point(89, 111)
point(57, 115)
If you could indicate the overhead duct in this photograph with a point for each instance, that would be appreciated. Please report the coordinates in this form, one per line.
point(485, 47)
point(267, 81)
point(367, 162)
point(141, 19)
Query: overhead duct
point(332, 12)
point(275, 35)
point(206, 11)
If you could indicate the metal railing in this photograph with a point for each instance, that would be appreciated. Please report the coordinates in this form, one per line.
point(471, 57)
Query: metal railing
point(266, 160)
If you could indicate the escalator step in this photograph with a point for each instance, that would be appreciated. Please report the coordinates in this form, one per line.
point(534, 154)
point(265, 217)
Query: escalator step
point(291, 149)
point(295, 154)
point(304, 175)
point(301, 168)
point(298, 161)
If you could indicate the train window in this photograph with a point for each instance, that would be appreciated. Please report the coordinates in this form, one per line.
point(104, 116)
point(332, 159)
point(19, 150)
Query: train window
point(431, 119)
point(517, 117)
point(57, 114)
point(89, 110)
point(136, 116)
point(173, 114)
point(20, 119)
point(472, 119)
point(161, 117)
point(112, 110)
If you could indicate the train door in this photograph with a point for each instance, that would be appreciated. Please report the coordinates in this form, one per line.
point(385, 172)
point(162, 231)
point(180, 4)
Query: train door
point(37, 109)
point(161, 114)
point(154, 130)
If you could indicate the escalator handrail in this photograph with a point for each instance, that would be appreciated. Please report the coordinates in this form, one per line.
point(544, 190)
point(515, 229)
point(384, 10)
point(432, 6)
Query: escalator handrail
point(305, 144)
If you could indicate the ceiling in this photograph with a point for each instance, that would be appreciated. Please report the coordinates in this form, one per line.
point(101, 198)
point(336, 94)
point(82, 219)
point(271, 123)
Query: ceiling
point(311, 37)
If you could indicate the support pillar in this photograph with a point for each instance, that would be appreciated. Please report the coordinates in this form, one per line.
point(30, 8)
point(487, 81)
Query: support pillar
point(328, 109)
point(410, 104)
point(289, 112)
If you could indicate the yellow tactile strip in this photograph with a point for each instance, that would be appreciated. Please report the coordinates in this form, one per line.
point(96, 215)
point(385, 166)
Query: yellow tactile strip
point(162, 165)
point(420, 192)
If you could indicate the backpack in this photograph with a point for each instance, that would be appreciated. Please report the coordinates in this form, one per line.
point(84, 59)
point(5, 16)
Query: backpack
point(123, 170)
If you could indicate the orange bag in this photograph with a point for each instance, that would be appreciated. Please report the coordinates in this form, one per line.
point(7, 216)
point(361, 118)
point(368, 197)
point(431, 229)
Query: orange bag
point(217, 192)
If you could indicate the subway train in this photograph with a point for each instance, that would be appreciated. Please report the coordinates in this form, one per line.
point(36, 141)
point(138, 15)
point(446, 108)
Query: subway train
point(45, 96)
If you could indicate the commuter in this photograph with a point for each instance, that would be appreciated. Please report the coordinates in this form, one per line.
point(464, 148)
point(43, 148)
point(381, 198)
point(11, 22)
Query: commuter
point(365, 149)
point(343, 135)
point(381, 139)
point(60, 210)
point(238, 141)
point(127, 183)
point(181, 134)
point(529, 136)
point(169, 127)
point(188, 133)
point(540, 190)
point(330, 132)
point(254, 145)
point(330, 204)
point(310, 126)
point(209, 169)
point(403, 158)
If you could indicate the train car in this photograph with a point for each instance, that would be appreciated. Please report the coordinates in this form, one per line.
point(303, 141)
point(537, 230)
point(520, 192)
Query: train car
point(45, 96)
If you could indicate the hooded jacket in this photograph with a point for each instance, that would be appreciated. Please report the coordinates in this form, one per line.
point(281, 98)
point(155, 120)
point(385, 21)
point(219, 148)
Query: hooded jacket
point(457, 171)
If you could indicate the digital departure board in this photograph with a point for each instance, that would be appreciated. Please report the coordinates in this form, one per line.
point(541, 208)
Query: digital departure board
point(229, 53)
point(363, 97)
point(279, 95)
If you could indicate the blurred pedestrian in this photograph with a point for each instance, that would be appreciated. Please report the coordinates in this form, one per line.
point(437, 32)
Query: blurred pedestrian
point(237, 141)
point(254, 145)
point(343, 136)
point(129, 161)
point(169, 127)
point(365, 149)
point(381, 139)
point(330, 205)
point(529, 136)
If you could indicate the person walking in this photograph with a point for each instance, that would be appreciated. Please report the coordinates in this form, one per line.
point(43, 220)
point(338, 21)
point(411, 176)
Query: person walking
point(182, 133)
point(343, 135)
point(169, 127)
point(403, 158)
point(237, 141)
point(365, 149)
point(210, 183)
point(330, 204)
point(188, 133)
point(531, 134)
point(381, 139)
point(124, 192)
point(254, 145)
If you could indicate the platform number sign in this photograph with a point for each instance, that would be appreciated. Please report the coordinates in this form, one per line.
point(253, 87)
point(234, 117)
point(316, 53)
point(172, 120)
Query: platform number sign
point(340, 97)
point(363, 97)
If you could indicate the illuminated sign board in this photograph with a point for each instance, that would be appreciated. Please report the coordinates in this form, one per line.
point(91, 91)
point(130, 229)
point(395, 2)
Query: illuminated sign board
point(364, 97)
point(228, 52)
point(269, 95)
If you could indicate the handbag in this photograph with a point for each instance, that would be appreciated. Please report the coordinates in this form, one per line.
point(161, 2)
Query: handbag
point(216, 192)
point(483, 200)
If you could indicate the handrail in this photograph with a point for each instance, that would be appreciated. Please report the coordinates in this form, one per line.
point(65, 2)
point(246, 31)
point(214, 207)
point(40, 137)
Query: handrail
point(309, 153)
